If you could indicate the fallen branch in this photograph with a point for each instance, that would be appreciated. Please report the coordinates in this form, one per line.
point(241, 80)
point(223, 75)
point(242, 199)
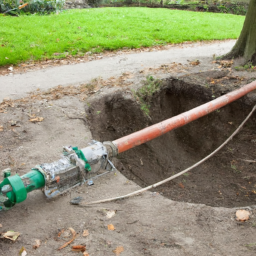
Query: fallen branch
point(176, 175)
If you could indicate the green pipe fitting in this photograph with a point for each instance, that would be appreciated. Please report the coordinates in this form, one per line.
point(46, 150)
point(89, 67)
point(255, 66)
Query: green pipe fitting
point(33, 180)
point(20, 186)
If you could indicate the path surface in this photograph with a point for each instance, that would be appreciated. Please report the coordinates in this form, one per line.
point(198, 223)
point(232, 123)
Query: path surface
point(18, 85)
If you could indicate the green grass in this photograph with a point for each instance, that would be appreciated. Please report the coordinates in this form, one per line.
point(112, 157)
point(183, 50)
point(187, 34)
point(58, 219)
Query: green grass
point(78, 31)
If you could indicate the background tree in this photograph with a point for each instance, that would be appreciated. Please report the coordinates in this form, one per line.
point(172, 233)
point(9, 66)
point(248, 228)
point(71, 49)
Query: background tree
point(246, 44)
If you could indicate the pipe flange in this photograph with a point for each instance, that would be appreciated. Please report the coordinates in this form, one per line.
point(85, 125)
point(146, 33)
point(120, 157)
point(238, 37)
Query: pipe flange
point(114, 149)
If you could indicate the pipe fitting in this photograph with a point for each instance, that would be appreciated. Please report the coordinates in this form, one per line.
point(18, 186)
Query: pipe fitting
point(111, 148)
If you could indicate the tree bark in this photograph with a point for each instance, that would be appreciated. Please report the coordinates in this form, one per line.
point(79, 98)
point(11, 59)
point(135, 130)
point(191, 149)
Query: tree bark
point(246, 44)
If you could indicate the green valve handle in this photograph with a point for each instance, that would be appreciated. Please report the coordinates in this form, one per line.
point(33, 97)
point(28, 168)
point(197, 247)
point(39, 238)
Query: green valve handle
point(80, 154)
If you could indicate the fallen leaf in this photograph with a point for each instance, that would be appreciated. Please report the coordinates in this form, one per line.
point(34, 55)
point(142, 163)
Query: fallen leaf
point(69, 242)
point(226, 63)
point(181, 185)
point(78, 248)
point(36, 119)
point(22, 251)
point(59, 234)
point(37, 244)
point(110, 214)
point(242, 215)
point(111, 227)
point(86, 233)
point(1, 128)
point(195, 63)
point(86, 254)
point(118, 250)
point(11, 235)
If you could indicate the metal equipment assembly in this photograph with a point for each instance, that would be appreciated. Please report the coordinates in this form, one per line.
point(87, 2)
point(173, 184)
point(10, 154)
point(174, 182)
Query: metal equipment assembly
point(74, 168)
point(78, 166)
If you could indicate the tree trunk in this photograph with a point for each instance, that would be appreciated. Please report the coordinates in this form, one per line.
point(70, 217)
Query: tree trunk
point(246, 44)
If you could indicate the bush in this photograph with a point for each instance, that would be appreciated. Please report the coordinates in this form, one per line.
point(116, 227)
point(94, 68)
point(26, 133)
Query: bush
point(6, 5)
point(37, 6)
point(94, 3)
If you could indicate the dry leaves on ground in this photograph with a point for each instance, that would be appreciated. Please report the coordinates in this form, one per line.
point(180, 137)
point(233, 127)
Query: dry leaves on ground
point(1, 128)
point(224, 63)
point(166, 68)
point(118, 250)
point(242, 215)
point(84, 90)
point(37, 244)
point(194, 63)
point(59, 92)
point(5, 104)
point(36, 119)
point(11, 235)
point(181, 185)
point(59, 234)
point(78, 248)
point(22, 251)
point(86, 233)
point(111, 227)
point(110, 214)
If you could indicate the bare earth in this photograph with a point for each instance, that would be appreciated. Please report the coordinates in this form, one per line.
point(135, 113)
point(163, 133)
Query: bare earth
point(148, 224)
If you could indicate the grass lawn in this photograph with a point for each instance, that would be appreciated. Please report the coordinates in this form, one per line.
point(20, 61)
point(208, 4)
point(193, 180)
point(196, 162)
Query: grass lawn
point(78, 31)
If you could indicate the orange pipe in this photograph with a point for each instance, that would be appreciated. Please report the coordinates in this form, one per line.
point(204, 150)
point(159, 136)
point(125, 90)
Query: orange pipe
point(156, 130)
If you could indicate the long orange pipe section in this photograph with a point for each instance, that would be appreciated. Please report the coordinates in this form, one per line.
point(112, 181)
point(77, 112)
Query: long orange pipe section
point(156, 130)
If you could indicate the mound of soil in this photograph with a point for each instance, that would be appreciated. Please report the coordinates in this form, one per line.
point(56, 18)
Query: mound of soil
point(227, 179)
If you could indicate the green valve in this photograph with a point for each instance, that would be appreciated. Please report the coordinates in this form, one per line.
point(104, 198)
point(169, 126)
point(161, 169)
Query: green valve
point(16, 188)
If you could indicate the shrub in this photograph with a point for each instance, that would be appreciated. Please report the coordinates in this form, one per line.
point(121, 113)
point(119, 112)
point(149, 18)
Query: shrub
point(36, 6)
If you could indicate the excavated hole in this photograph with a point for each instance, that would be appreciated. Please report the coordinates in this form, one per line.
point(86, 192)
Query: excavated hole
point(224, 180)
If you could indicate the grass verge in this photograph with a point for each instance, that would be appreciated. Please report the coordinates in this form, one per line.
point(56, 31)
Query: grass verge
point(75, 32)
